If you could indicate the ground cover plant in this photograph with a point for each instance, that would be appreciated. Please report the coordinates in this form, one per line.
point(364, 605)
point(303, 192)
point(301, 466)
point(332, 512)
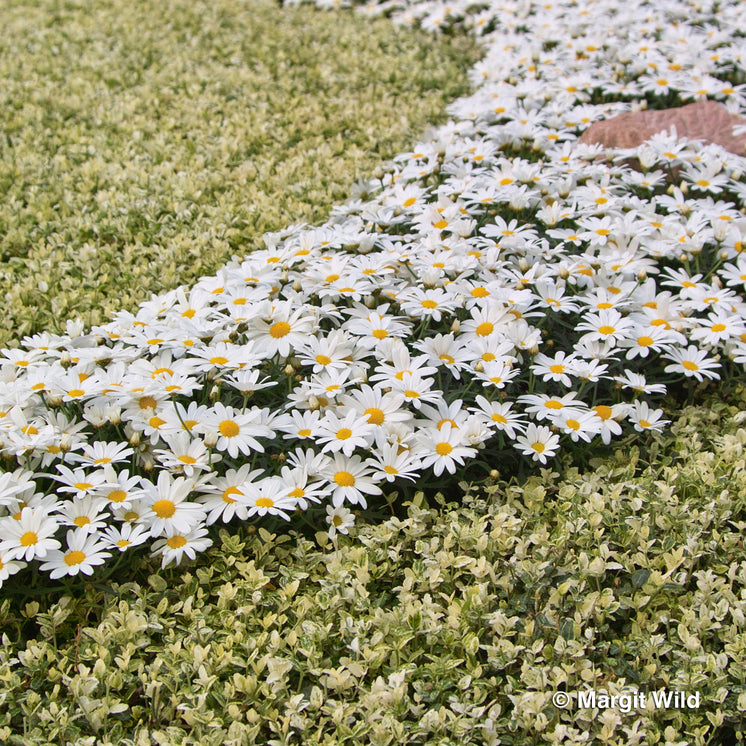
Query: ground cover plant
point(451, 623)
point(142, 145)
point(498, 299)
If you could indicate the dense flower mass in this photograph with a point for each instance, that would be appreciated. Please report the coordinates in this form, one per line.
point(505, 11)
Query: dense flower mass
point(500, 284)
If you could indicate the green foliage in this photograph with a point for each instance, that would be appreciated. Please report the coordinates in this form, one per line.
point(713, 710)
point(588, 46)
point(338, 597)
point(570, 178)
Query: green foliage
point(142, 146)
point(451, 624)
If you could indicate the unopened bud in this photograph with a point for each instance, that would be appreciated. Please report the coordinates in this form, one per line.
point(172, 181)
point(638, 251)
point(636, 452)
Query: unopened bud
point(494, 473)
point(134, 439)
point(66, 442)
point(289, 370)
point(313, 403)
point(456, 326)
point(210, 439)
point(215, 393)
point(65, 359)
point(642, 275)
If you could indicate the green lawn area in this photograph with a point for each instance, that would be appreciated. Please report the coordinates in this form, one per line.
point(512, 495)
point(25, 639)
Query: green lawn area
point(144, 144)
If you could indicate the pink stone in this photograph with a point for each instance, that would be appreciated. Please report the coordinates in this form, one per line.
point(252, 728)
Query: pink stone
point(705, 120)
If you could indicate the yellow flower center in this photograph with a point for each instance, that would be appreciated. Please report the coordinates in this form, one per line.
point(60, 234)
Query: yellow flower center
point(644, 341)
point(380, 333)
point(29, 539)
point(344, 433)
point(557, 368)
point(229, 428)
point(164, 508)
point(539, 447)
point(117, 496)
point(689, 365)
point(279, 329)
point(718, 327)
point(344, 479)
point(390, 469)
point(573, 424)
point(605, 329)
point(429, 304)
point(218, 360)
point(323, 359)
point(122, 543)
point(147, 402)
point(375, 415)
point(82, 520)
point(602, 411)
point(83, 485)
point(443, 449)
point(74, 558)
point(176, 542)
point(187, 460)
point(265, 502)
point(75, 393)
point(228, 492)
point(485, 329)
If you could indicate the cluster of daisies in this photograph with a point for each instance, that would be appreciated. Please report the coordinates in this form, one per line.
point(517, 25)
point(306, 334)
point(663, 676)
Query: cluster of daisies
point(501, 287)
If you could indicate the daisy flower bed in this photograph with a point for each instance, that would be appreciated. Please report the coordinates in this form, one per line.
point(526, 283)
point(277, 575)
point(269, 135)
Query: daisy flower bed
point(496, 294)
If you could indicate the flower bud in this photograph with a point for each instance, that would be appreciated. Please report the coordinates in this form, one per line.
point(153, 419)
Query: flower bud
point(210, 439)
